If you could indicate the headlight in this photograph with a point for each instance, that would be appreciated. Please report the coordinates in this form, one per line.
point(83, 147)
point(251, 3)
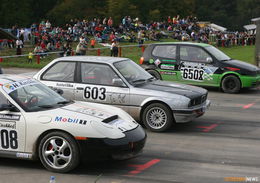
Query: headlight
point(107, 130)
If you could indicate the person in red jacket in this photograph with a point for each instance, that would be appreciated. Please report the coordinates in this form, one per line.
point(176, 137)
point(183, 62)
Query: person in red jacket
point(110, 22)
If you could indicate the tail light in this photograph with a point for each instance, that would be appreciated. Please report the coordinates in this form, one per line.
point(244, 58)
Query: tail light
point(141, 60)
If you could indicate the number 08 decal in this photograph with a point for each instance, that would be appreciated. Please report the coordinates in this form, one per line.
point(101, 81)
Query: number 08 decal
point(192, 74)
point(8, 139)
point(95, 93)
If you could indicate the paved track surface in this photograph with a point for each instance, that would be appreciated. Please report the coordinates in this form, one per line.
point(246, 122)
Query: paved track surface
point(225, 142)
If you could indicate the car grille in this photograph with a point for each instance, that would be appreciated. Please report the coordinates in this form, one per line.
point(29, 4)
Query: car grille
point(255, 84)
point(198, 100)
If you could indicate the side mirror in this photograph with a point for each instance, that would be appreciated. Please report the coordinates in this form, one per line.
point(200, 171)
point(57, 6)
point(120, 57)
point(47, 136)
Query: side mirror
point(209, 59)
point(7, 107)
point(118, 82)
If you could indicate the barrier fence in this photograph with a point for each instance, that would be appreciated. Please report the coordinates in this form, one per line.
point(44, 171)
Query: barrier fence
point(104, 51)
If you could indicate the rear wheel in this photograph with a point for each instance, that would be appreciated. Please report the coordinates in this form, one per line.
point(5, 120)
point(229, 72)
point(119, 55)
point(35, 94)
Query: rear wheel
point(58, 152)
point(157, 117)
point(231, 84)
point(155, 74)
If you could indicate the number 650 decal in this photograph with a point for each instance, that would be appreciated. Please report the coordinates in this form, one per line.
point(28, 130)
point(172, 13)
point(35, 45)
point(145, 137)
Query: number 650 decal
point(192, 74)
point(95, 93)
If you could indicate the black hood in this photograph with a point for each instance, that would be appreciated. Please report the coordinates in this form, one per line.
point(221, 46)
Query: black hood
point(175, 88)
point(241, 65)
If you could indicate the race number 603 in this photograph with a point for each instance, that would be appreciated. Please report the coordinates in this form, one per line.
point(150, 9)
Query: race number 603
point(8, 139)
point(95, 93)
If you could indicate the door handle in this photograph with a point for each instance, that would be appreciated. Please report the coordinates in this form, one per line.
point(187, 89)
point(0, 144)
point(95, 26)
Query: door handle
point(80, 88)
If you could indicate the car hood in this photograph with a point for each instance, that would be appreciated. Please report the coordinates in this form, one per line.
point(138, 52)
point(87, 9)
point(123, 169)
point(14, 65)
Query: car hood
point(95, 120)
point(107, 115)
point(175, 88)
point(97, 111)
point(241, 65)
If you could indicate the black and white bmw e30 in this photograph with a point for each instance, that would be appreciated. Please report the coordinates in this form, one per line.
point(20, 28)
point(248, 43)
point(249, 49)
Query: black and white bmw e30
point(36, 122)
point(123, 83)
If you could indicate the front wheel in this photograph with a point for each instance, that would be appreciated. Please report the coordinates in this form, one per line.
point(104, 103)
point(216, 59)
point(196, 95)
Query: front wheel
point(155, 74)
point(157, 117)
point(58, 152)
point(231, 84)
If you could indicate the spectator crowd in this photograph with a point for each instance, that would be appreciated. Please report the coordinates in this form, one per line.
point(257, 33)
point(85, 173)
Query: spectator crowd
point(47, 37)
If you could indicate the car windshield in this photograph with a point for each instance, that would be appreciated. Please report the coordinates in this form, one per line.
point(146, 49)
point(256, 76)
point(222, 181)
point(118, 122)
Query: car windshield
point(217, 53)
point(132, 72)
point(33, 96)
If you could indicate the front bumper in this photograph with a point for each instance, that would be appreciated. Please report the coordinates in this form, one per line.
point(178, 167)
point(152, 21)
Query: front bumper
point(186, 115)
point(124, 148)
point(250, 81)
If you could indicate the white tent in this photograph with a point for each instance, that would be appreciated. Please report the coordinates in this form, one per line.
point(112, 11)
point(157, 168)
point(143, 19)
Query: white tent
point(250, 27)
point(216, 27)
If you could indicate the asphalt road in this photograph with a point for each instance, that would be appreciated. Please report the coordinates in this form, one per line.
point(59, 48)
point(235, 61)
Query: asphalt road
point(221, 146)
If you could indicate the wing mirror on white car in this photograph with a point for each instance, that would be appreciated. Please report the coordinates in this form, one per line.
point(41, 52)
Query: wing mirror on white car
point(118, 82)
point(7, 107)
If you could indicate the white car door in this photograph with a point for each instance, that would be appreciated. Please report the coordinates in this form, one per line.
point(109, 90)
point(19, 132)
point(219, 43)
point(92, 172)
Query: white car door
point(98, 85)
point(12, 129)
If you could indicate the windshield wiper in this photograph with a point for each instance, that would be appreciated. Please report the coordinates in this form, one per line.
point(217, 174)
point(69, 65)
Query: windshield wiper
point(151, 78)
point(139, 80)
point(46, 106)
point(64, 102)
point(226, 59)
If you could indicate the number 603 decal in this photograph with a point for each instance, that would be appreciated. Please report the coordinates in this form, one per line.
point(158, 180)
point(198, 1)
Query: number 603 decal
point(95, 93)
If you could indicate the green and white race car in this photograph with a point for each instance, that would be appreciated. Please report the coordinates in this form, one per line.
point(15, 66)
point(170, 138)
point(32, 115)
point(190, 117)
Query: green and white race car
point(199, 64)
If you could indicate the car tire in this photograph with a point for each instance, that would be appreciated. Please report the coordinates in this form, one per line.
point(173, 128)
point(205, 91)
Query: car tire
point(157, 117)
point(58, 152)
point(231, 84)
point(155, 74)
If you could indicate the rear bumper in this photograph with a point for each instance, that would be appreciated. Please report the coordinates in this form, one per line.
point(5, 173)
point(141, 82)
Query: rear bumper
point(183, 116)
point(124, 148)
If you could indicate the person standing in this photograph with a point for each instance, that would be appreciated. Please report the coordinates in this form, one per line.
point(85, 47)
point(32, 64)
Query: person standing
point(140, 37)
point(19, 45)
point(114, 48)
point(30, 57)
point(92, 42)
point(110, 22)
point(81, 48)
point(48, 26)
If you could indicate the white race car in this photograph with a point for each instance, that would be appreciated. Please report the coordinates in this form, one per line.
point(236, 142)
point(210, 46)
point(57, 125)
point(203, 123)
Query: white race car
point(36, 122)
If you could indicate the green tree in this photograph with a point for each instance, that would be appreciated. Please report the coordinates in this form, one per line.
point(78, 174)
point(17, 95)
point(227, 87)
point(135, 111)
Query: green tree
point(70, 9)
point(117, 9)
point(14, 12)
point(231, 14)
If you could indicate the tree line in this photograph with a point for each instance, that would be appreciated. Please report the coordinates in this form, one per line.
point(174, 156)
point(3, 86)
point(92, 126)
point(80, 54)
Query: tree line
point(231, 14)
